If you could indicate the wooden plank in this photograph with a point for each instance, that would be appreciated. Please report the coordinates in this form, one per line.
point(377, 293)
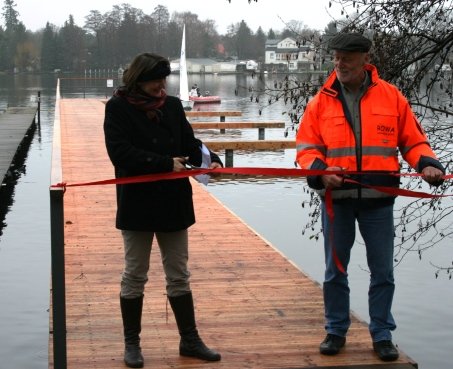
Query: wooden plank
point(237, 125)
point(251, 145)
point(252, 304)
point(213, 113)
point(15, 122)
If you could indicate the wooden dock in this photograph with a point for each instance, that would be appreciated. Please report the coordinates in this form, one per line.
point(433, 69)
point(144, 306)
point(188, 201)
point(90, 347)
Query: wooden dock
point(222, 114)
point(230, 146)
point(251, 145)
point(237, 125)
point(223, 126)
point(252, 304)
point(14, 125)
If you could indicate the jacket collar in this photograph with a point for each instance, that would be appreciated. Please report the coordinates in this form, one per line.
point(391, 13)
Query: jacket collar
point(332, 85)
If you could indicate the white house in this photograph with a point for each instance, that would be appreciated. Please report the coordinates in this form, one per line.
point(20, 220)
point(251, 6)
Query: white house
point(288, 55)
point(196, 65)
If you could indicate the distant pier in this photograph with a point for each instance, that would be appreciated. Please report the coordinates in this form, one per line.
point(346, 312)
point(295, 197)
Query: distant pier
point(15, 124)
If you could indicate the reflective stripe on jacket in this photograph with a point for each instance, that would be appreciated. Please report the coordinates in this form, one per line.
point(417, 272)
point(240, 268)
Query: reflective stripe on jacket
point(326, 138)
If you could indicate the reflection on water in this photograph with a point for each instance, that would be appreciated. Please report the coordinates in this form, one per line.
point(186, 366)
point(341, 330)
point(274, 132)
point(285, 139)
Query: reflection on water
point(272, 206)
point(24, 240)
point(12, 176)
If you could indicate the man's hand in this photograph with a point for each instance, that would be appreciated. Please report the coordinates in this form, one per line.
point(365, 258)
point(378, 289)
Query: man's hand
point(332, 180)
point(432, 175)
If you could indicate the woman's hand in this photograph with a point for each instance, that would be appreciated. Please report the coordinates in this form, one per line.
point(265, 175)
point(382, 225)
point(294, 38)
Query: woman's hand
point(178, 163)
point(215, 165)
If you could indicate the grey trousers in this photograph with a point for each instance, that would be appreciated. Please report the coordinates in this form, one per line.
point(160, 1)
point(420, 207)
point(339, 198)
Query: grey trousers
point(137, 252)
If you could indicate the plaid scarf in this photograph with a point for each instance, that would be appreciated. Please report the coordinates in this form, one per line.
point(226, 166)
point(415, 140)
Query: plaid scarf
point(149, 104)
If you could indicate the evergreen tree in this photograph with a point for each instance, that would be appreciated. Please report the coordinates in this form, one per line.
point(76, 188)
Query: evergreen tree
point(14, 34)
point(48, 49)
point(3, 46)
point(128, 42)
point(174, 37)
point(71, 46)
point(271, 34)
point(94, 24)
point(260, 44)
point(148, 31)
point(243, 41)
point(10, 15)
point(161, 18)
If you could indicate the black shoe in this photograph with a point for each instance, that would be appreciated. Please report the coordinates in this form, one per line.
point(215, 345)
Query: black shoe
point(385, 350)
point(133, 357)
point(131, 312)
point(331, 344)
point(195, 347)
point(191, 343)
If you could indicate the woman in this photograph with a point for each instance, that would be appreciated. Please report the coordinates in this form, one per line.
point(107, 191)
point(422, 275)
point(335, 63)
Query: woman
point(146, 131)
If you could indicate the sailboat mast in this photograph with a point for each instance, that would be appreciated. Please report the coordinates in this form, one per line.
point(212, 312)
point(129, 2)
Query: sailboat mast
point(183, 82)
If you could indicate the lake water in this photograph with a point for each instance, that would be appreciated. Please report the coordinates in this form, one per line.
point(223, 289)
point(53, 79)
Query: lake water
point(423, 305)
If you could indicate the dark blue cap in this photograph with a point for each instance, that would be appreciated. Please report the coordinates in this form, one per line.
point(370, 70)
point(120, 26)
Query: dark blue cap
point(350, 42)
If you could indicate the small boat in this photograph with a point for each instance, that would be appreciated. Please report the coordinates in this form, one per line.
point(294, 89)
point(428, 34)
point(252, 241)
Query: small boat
point(183, 82)
point(205, 99)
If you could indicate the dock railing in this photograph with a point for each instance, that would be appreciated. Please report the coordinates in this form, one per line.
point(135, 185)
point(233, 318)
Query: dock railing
point(58, 292)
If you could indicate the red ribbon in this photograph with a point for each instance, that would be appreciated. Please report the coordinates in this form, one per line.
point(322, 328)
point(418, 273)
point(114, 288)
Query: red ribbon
point(331, 215)
point(390, 190)
point(277, 172)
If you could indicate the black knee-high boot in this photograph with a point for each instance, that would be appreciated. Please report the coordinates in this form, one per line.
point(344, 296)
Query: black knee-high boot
point(131, 311)
point(191, 343)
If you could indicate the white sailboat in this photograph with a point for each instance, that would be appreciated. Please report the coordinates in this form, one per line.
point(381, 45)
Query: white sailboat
point(183, 82)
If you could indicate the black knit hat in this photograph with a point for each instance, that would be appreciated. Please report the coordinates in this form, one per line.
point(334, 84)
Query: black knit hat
point(350, 42)
point(161, 70)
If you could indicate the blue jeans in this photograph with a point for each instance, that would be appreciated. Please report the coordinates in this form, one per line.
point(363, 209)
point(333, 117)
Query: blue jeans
point(376, 228)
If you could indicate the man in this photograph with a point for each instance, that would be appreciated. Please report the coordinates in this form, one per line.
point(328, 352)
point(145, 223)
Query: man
point(356, 123)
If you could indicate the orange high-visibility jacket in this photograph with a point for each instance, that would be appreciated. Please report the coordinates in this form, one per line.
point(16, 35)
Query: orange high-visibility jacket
point(326, 138)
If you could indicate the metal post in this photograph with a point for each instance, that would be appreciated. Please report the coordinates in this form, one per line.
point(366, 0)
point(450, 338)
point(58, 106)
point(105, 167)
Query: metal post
point(58, 279)
point(58, 328)
point(228, 157)
point(39, 108)
point(222, 119)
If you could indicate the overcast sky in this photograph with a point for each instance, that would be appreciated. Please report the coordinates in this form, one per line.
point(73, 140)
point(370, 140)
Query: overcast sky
point(265, 13)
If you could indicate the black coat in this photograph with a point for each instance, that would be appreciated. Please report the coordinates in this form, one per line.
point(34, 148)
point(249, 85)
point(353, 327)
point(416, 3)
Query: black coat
point(136, 146)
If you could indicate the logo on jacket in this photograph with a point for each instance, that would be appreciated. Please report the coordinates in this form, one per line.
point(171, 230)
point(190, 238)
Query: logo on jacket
point(385, 130)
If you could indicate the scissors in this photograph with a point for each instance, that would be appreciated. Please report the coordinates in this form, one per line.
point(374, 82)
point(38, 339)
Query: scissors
point(190, 166)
